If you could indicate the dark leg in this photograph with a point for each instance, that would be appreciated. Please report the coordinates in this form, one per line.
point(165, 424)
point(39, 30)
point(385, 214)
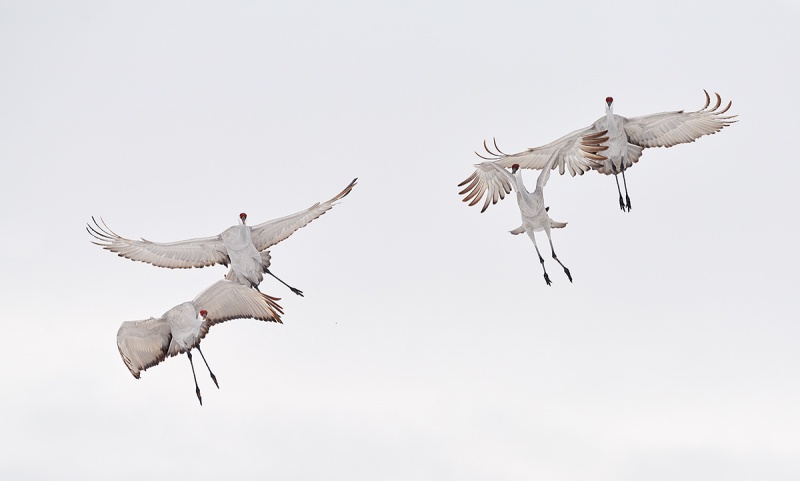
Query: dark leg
point(621, 203)
point(627, 199)
point(566, 271)
point(213, 377)
point(541, 260)
point(296, 291)
point(196, 387)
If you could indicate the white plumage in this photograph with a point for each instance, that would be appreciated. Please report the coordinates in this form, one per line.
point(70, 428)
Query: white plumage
point(534, 213)
point(242, 247)
point(610, 145)
point(143, 344)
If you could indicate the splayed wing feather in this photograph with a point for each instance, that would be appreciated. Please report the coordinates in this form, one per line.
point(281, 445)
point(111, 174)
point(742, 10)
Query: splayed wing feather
point(488, 177)
point(585, 149)
point(269, 233)
point(666, 129)
point(568, 150)
point(576, 152)
point(200, 252)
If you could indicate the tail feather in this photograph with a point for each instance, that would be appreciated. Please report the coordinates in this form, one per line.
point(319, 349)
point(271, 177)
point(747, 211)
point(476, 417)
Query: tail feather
point(266, 260)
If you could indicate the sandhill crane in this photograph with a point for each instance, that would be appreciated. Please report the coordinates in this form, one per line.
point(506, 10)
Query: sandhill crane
point(534, 214)
point(143, 344)
point(610, 146)
point(241, 246)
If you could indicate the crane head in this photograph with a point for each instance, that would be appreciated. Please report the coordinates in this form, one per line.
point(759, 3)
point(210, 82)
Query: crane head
point(203, 313)
point(243, 217)
point(514, 168)
point(609, 101)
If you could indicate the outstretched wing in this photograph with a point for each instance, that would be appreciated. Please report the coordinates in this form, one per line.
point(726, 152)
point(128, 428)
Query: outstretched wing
point(271, 232)
point(577, 152)
point(143, 344)
point(671, 128)
point(185, 254)
point(489, 177)
point(225, 300)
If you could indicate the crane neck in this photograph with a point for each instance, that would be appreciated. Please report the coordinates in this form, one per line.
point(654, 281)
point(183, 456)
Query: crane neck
point(611, 125)
point(244, 232)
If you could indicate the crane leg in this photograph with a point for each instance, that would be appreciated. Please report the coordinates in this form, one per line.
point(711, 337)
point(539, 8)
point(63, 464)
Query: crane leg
point(213, 377)
point(566, 271)
point(541, 260)
point(627, 199)
point(621, 203)
point(296, 291)
point(196, 387)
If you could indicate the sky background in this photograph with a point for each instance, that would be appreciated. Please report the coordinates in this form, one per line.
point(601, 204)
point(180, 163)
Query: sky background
point(427, 346)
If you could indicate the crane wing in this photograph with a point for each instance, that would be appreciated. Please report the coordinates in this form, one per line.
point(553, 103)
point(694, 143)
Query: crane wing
point(269, 233)
point(671, 128)
point(489, 178)
point(184, 254)
point(578, 151)
point(143, 344)
point(225, 300)
point(541, 181)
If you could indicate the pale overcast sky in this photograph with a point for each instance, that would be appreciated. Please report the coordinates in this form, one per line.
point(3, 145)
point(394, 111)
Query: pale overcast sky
point(428, 346)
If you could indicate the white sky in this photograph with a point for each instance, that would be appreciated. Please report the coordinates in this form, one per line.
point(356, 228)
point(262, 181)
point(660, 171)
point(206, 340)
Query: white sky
point(428, 345)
